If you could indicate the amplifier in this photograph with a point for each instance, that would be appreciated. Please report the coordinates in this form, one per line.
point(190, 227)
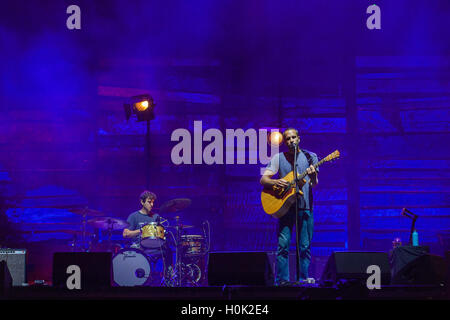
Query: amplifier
point(15, 261)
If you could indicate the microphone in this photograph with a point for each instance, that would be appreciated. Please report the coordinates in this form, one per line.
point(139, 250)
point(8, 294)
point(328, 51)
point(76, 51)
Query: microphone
point(293, 146)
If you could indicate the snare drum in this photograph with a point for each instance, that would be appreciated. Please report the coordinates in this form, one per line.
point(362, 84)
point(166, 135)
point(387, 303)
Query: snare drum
point(131, 267)
point(193, 244)
point(153, 236)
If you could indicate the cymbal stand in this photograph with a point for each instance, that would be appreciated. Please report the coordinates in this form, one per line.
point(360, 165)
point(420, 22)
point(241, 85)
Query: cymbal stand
point(93, 241)
point(178, 253)
point(74, 242)
point(207, 233)
point(110, 230)
point(84, 230)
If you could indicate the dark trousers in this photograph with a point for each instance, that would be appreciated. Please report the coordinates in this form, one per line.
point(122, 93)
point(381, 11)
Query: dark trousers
point(164, 252)
point(286, 225)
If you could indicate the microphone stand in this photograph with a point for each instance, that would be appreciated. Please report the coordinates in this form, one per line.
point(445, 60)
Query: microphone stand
point(297, 236)
point(409, 214)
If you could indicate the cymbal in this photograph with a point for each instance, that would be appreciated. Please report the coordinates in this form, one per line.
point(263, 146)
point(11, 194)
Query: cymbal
point(175, 205)
point(39, 206)
point(87, 212)
point(73, 232)
point(181, 226)
point(69, 231)
point(108, 223)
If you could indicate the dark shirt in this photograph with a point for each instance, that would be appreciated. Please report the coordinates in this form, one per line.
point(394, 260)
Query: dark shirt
point(137, 220)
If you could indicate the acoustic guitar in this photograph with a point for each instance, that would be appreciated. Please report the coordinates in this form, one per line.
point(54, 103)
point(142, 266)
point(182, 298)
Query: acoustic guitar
point(276, 201)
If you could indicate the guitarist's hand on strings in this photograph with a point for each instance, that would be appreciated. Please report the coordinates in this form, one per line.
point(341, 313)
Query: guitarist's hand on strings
point(280, 183)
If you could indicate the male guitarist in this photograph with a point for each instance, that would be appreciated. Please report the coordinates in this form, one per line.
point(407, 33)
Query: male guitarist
point(282, 163)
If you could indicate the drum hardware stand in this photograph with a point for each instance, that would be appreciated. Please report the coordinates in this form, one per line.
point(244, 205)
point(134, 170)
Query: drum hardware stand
point(178, 257)
point(178, 253)
point(84, 230)
point(93, 242)
point(110, 229)
point(74, 242)
point(186, 269)
point(208, 248)
point(109, 233)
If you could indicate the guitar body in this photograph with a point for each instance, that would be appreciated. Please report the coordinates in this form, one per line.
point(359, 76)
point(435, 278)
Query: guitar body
point(277, 201)
point(277, 204)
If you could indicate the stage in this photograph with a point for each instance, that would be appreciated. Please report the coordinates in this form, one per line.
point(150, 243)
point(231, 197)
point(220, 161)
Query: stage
point(229, 293)
point(204, 151)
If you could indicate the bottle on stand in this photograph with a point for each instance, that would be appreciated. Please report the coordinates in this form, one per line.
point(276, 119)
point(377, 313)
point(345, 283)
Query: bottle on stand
point(415, 238)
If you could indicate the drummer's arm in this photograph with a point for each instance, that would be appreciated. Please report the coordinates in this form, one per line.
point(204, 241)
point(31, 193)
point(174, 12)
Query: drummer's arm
point(130, 233)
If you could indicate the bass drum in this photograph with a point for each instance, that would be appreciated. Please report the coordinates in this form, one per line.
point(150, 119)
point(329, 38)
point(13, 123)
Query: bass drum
point(131, 267)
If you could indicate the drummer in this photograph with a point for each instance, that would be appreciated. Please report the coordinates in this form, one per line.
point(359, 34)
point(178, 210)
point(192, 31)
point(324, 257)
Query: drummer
point(140, 218)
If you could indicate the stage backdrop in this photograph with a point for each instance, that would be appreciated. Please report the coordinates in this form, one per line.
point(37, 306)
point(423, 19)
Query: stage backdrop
point(381, 97)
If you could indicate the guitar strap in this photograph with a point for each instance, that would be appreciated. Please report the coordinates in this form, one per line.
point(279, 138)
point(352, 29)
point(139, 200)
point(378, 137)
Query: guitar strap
point(308, 156)
point(310, 162)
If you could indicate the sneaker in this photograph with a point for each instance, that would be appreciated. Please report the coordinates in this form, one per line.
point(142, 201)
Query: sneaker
point(284, 283)
point(311, 280)
point(305, 281)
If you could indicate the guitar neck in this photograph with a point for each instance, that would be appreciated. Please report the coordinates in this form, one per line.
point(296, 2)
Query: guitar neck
point(304, 173)
point(330, 157)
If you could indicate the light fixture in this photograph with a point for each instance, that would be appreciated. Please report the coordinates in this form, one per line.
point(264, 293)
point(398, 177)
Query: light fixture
point(142, 106)
point(275, 138)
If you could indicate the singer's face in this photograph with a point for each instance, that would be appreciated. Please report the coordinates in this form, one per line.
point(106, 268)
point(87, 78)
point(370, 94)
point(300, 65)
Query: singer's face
point(291, 137)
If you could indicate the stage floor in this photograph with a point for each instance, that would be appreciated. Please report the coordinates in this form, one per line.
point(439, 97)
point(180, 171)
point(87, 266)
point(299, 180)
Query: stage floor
point(227, 293)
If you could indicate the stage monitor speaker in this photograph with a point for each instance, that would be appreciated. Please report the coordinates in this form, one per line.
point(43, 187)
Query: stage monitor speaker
point(93, 268)
point(427, 269)
point(16, 261)
point(5, 278)
point(239, 268)
point(291, 260)
point(352, 266)
point(447, 262)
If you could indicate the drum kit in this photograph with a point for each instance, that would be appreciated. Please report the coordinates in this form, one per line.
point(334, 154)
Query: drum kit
point(135, 266)
point(98, 221)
